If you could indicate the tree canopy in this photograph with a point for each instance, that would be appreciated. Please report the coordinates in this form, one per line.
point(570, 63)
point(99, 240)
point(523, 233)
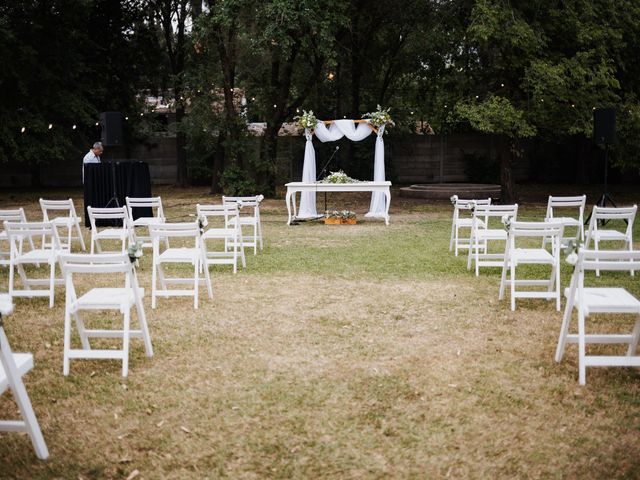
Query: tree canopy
point(517, 69)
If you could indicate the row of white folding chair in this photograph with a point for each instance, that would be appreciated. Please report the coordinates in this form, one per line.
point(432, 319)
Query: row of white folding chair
point(563, 204)
point(47, 248)
point(463, 218)
point(518, 254)
point(588, 301)
point(195, 256)
point(51, 210)
point(251, 219)
point(602, 215)
point(13, 366)
point(226, 229)
point(484, 233)
point(122, 298)
point(10, 215)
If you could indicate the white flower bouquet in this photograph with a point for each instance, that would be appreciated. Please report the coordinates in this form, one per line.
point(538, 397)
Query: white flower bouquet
point(338, 177)
point(380, 117)
point(135, 252)
point(307, 120)
point(453, 199)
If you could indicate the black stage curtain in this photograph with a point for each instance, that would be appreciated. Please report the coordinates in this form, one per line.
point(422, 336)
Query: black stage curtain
point(132, 180)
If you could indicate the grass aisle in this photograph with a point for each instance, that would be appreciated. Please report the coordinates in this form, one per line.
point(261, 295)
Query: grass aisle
point(340, 352)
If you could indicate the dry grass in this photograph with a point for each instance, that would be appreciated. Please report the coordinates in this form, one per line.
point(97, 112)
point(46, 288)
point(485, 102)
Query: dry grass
point(341, 352)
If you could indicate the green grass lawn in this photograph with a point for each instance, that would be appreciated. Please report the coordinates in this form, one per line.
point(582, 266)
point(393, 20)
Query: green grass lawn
point(359, 351)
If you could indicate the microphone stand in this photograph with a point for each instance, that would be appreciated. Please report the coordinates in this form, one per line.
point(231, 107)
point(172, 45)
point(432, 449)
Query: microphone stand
point(324, 169)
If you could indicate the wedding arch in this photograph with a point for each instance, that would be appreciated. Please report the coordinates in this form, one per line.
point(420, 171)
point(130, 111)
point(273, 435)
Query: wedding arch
point(331, 131)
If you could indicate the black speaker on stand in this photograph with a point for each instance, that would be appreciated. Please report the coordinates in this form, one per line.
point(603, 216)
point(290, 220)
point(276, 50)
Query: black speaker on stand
point(111, 136)
point(604, 133)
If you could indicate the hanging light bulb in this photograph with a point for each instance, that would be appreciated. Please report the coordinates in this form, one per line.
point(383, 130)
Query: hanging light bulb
point(50, 126)
point(97, 124)
point(74, 126)
point(23, 129)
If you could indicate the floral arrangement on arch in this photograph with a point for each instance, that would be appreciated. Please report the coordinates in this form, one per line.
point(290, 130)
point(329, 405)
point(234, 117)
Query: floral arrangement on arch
point(339, 177)
point(307, 120)
point(380, 117)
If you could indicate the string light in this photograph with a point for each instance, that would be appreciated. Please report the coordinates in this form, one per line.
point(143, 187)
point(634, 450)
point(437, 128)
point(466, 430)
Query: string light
point(275, 106)
point(50, 126)
point(142, 114)
point(126, 118)
point(74, 126)
point(97, 123)
point(502, 84)
point(23, 129)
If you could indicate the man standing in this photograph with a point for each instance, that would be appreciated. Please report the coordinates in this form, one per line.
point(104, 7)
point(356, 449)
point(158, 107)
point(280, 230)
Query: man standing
point(92, 156)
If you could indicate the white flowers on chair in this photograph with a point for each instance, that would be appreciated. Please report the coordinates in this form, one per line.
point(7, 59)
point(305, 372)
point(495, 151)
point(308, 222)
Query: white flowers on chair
point(571, 251)
point(135, 252)
point(202, 223)
point(453, 199)
point(6, 306)
point(506, 221)
point(472, 206)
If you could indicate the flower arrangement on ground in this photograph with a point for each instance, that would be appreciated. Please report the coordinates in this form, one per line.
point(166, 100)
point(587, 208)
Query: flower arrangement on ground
point(342, 217)
point(338, 177)
point(135, 252)
point(307, 120)
point(380, 117)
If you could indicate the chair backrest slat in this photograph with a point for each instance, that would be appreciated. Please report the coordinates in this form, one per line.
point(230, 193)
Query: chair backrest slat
point(95, 263)
point(612, 260)
point(535, 229)
point(182, 229)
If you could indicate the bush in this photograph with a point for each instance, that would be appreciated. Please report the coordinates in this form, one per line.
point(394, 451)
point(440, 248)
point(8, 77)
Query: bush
point(236, 182)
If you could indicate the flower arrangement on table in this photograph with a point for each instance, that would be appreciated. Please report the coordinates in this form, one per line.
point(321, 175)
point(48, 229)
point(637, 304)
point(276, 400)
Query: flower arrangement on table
point(339, 177)
point(343, 217)
point(380, 117)
point(307, 120)
point(135, 252)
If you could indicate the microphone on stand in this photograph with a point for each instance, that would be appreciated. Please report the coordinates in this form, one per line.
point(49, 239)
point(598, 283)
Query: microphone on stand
point(324, 169)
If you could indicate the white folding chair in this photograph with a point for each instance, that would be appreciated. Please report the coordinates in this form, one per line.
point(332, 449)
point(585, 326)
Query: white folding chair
point(13, 366)
point(70, 221)
point(46, 253)
point(145, 222)
point(14, 215)
point(484, 230)
point(588, 301)
point(228, 232)
point(462, 219)
point(122, 233)
point(565, 203)
point(122, 298)
point(517, 254)
point(603, 215)
point(250, 219)
point(191, 255)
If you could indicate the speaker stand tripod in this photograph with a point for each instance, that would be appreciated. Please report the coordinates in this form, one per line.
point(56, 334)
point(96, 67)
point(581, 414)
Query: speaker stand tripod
point(113, 202)
point(605, 199)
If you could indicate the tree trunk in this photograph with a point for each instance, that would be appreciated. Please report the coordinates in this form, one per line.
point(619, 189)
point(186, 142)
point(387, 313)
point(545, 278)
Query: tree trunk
point(218, 165)
point(508, 191)
point(182, 176)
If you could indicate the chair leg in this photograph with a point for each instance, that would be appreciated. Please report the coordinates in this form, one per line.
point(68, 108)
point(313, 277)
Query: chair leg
point(93, 240)
point(52, 289)
point(79, 230)
point(635, 336)
point(503, 279)
point(144, 327)
point(208, 279)
point(255, 238)
point(126, 335)
point(582, 368)
point(67, 342)
point(451, 240)
point(196, 281)
point(595, 244)
point(81, 331)
point(153, 285)
point(513, 286)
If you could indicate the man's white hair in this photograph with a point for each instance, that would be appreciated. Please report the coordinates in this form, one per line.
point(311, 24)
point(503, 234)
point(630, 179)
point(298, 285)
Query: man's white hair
point(98, 145)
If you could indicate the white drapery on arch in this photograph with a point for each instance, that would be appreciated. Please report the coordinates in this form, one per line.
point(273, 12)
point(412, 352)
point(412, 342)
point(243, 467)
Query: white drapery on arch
point(336, 130)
